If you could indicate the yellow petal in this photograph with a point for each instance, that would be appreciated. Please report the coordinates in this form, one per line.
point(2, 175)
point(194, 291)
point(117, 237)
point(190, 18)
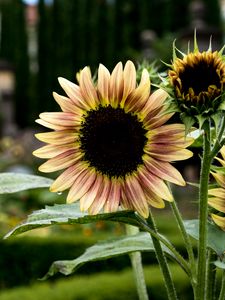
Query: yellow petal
point(67, 178)
point(61, 161)
point(134, 192)
point(58, 137)
point(103, 83)
point(154, 184)
point(87, 88)
point(73, 91)
point(82, 184)
point(89, 197)
point(116, 85)
point(164, 170)
point(220, 221)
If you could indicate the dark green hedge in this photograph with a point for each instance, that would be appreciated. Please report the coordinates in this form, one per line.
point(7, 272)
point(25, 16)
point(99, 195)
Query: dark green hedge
point(110, 286)
point(25, 259)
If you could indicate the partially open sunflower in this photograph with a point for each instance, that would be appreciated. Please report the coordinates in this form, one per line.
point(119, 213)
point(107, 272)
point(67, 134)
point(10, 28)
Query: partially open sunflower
point(112, 142)
point(197, 81)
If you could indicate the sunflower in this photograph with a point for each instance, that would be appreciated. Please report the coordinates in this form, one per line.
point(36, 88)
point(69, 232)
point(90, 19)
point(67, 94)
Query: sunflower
point(217, 195)
point(112, 142)
point(196, 82)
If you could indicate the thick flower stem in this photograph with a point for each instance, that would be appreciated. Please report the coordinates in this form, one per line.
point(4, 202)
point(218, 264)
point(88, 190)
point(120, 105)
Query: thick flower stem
point(136, 262)
point(203, 214)
point(187, 242)
point(171, 292)
point(222, 291)
point(211, 274)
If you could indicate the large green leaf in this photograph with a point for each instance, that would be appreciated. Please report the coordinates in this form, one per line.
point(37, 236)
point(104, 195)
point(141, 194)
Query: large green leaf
point(69, 214)
point(216, 237)
point(104, 250)
point(15, 182)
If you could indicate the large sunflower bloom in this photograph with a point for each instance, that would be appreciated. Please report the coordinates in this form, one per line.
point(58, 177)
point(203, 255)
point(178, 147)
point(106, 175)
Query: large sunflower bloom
point(112, 142)
point(217, 195)
point(196, 82)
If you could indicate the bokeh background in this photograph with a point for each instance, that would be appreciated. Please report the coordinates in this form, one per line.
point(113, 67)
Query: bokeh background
point(40, 41)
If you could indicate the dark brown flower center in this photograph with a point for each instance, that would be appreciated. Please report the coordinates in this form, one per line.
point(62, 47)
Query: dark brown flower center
point(112, 141)
point(199, 77)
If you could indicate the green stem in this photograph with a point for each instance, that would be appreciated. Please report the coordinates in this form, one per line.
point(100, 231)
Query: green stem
point(219, 141)
point(211, 274)
point(222, 291)
point(187, 242)
point(136, 262)
point(171, 292)
point(182, 262)
point(203, 214)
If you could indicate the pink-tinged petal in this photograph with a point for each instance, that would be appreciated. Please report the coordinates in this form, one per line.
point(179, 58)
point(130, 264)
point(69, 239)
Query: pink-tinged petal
point(87, 88)
point(95, 189)
point(153, 199)
point(116, 85)
point(61, 161)
point(171, 156)
point(51, 151)
point(65, 119)
point(126, 202)
point(220, 221)
point(155, 101)
point(217, 192)
point(50, 125)
point(177, 140)
point(151, 108)
point(103, 84)
point(67, 105)
point(137, 99)
point(220, 178)
point(164, 170)
point(112, 204)
point(136, 195)
point(82, 185)
point(155, 122)
point(172, 131)
point(101, 197)
point(74, 93)
point(129, 78)
point(217, 203)
point(154, 184)
point(61, 137)
point(67, 178)
point(163, 148)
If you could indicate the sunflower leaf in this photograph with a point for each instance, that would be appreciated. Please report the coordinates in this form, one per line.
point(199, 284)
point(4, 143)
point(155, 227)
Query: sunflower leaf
point(15, 182)
point(216, 237)
point(69, 214)
point(104, 250)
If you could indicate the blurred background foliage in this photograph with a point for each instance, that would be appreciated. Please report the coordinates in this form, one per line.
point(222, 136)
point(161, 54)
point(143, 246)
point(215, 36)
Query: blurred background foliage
point(72, 34)
point(40, 43)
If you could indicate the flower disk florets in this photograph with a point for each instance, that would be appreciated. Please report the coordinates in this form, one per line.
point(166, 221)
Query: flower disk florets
point(197, 82)
point(112, 141)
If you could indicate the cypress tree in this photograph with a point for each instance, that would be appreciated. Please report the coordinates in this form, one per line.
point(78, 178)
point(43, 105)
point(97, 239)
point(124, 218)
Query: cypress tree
point(21, 63)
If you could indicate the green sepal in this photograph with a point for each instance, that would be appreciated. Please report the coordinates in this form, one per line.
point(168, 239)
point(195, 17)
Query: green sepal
point(105, 250)
point(216, 237)
point(220, 264)
point(16, 182)
point(188, 122)
point(61, 214)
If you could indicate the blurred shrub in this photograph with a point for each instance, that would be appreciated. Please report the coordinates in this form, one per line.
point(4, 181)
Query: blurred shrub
point(25, 259)
point(103, 286)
